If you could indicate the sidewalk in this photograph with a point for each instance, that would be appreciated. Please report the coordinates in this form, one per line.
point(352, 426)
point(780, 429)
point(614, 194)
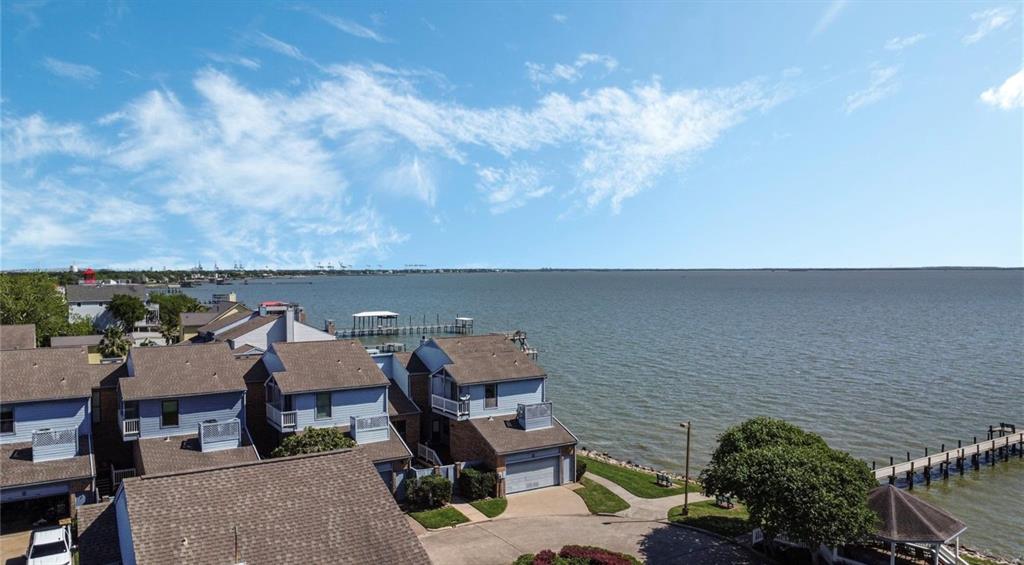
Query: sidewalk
point(645, 508)
point(468, 511)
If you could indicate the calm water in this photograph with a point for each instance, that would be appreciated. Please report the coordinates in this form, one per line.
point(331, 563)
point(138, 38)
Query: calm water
point(877, 362)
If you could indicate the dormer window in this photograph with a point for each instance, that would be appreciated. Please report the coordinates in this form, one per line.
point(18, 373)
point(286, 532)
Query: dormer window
point(7, 420)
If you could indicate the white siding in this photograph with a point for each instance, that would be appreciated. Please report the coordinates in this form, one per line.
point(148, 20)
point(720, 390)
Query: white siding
point(309, 333)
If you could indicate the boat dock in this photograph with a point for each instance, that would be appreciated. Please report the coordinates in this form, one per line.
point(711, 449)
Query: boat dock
point(1003, 442)
point(385, 323)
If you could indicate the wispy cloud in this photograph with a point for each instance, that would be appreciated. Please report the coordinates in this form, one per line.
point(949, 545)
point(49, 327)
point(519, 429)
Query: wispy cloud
point(988, 21)
point(883, 83)
point(74, 71)
point(560, 18)
point(829, 16)
point(348, 26)
point(901, 43)
point(228, 59)
point(413, 178)
point(571, 72)
point(507, 189)
point(1007, 96)
point(34, 136)
point(278, 46)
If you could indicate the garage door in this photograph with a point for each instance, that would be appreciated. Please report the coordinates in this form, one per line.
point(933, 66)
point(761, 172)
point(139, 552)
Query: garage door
point(532, 474)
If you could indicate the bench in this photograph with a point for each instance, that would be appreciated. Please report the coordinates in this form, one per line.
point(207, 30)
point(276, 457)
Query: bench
point(664, 480)
point(724, 502)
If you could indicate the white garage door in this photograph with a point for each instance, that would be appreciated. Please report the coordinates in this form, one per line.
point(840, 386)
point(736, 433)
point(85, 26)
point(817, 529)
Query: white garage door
point(532, 474)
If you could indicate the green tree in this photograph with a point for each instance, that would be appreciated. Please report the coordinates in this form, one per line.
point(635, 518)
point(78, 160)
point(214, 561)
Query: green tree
point(172, 305)
point(33, 299)
point(313, 440)
point(792, 482)
point(79, 325)
point(115, 343)
point(127, 309)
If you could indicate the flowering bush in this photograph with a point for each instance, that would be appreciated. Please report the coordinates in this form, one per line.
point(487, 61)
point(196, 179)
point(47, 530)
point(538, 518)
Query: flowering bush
point(577, 555)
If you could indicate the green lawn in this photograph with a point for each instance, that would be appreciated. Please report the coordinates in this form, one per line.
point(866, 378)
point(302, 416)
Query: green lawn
point(599, 499)
point(439, 517)
point(706, 516)
point(640, 483)
point(977, 560)
point(490, 507)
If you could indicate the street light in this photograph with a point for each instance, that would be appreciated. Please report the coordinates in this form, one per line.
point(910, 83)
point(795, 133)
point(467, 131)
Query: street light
point(686, 485)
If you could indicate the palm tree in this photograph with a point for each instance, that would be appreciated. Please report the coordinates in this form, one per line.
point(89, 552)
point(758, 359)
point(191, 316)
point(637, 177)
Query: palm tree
point(114, 343)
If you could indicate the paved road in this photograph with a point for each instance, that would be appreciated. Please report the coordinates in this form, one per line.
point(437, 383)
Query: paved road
point(501, 541)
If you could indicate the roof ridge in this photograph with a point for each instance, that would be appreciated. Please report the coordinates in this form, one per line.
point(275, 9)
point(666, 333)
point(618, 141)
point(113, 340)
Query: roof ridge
point(241, 465)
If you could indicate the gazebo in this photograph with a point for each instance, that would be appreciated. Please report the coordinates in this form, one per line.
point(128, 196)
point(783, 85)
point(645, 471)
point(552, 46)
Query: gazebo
point(908, 520)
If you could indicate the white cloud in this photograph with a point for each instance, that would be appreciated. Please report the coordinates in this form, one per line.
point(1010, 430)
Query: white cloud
point(883, 83)
point(1007, 96)
point(228, 59)
point(348, 26)
point(540, 74)
point(560, 18)
point(829, 16)
point(901, 43)
point(507, 189)
point(412, 178)
point(989, 20)
point(73, 71)
point(274, 44)
point(34, 136)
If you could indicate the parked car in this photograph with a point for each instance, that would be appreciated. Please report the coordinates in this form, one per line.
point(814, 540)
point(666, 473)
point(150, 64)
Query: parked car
point(49, 546)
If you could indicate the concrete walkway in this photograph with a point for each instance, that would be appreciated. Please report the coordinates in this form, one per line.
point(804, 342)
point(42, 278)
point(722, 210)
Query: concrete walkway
point(645, 508)
point(501, 541)
point(468, 511)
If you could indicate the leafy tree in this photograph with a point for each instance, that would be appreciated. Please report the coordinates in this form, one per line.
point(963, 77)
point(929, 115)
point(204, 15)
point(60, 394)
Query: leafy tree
point(80, 325)
point(792, 482)
point(115, 343)
point(33, 299)
point(313, 440)
point(127, 309)
point(172, 305)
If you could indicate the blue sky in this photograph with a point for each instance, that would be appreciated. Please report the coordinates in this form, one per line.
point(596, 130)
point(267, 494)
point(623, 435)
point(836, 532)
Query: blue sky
point(834, 134)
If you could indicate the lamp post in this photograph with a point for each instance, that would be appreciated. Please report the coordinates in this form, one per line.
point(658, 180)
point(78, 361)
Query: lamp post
point(686, 485)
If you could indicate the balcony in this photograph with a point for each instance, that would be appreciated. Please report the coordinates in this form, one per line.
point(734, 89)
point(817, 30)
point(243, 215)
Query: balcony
point(454, 409)
point(50, 445)
point(129, 427)
point(215, 436)
point(534, 416)
point(281, 421)
point(370, 429)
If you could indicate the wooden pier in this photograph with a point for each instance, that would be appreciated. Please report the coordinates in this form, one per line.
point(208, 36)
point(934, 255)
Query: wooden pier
point(1003, 442)
point(384, 323)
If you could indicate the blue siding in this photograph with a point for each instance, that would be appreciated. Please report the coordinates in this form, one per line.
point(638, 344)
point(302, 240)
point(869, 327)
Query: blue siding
point(344, 403)
point(124, 530)
point(54, 414)
point(510, 394)
point(191, 411)
point(432, 356)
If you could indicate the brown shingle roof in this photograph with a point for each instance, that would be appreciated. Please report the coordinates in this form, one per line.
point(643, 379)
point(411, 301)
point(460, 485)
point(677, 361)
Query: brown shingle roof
point(75, 340)
point(402, 358)
point(323, 508)
point(254, 323)
point(97, 534)
point(181, 453)
point(399, 403)
point(906, 518)
point(46, 374)
point(486, 358)
point(183, 371)
point(380, 451)
point(505, 436)
point(19, 469)
point(18, 336)
point(326, 365)
point(187, 319)
point(220, 323)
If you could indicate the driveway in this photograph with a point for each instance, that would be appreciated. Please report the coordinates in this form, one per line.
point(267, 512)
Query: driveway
point(13, 547)
point(552, 501)
point(501, 541)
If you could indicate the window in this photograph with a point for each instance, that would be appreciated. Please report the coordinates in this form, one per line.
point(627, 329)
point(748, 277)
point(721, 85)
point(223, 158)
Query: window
point(7, 420)
point(95, 409)
point(169, 414)
point(130, 410)
point(490, 396)
point(323, 405)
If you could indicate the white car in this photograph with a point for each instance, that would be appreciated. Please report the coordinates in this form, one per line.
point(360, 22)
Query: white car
point(50, 546)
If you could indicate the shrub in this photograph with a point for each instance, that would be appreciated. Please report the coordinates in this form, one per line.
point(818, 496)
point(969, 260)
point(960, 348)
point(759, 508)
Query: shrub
point(545, 557)
point(432, 491)
point(595, 555)
point(581, 468)
point(524, 559)
point(475, 484)
point(313, 440)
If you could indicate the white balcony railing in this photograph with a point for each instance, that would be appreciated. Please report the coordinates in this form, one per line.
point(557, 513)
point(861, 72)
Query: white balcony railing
point(427, 454)
point(281, 421)
point(129, 427)
point(50, 445)
point(458, 409)
point(214, 436)
point(370, 429)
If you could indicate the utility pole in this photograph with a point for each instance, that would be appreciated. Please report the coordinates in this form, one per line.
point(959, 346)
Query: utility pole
point(686, 485)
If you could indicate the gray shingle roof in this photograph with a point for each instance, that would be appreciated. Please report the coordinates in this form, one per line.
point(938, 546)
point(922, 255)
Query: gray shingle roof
point(486, 358)
point(380, 451)
point(47, 374)
point(221, 323)
point(196, 318)
point(19, 469)
point(75, 340)
point(102, 293)
point(505, 436)
point(162, 372)
point(182, 453)
point(254, 323)
point(18, 336)
point(97, 535)
point(323, 508)
point(326, 365)
point(906, 518)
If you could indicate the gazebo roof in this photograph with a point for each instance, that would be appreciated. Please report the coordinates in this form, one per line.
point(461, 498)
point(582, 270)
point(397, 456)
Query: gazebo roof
point(375, 314)
point(906, 518)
